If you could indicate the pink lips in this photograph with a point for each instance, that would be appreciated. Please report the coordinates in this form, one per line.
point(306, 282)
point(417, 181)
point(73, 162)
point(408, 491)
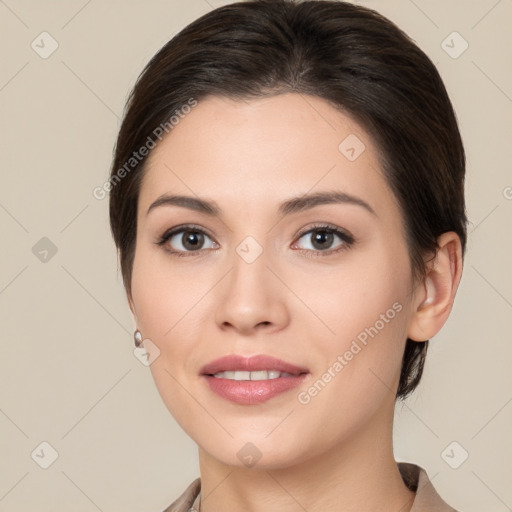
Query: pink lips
point(250, 364)
point(249, 392)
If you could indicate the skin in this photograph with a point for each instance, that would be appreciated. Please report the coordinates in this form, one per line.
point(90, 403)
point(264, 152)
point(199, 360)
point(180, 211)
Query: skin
point(249, 157)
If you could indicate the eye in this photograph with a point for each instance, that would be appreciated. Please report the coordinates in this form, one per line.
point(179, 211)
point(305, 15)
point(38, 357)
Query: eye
point(322, 237)
point(188, 239)
point(191, 239)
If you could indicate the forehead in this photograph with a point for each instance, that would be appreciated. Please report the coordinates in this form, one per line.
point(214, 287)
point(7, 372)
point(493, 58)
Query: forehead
point(261, 151)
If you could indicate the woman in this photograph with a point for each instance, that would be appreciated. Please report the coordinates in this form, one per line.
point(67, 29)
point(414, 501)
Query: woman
point(287, 198)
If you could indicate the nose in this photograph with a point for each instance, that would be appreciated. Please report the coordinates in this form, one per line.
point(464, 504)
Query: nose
point(251, 298)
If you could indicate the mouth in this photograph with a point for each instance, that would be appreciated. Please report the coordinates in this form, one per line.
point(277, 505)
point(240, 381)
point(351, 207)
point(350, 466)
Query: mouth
point(260, 367)
point(257, 375)
point(252, 380)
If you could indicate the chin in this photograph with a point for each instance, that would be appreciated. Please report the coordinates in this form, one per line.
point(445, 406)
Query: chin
point(255, 452)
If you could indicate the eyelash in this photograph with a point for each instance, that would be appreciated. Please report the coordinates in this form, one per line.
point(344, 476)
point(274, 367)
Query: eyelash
point(347, 239)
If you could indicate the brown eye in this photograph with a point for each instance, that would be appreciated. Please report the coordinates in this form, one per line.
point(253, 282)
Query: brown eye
point(322, 238)
point(191, 240)
point(185, 239)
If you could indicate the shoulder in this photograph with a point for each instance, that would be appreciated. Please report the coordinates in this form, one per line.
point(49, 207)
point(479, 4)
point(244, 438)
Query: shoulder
point(184, 502)
point(427, 499)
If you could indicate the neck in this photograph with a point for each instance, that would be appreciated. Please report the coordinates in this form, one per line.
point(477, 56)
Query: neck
point(359, 473)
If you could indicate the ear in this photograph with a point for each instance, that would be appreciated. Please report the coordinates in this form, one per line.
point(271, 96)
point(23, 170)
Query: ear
point(434, 298)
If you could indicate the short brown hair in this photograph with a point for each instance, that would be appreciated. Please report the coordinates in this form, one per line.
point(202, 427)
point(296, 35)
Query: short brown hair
point(349, 55)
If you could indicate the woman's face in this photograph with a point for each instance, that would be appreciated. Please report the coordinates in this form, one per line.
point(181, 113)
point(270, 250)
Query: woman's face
point(258, 279)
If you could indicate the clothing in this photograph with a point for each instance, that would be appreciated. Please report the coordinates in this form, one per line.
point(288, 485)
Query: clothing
point(414, 477)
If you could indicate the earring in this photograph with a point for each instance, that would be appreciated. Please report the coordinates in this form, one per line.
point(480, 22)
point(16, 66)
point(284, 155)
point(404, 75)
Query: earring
point(137, 336)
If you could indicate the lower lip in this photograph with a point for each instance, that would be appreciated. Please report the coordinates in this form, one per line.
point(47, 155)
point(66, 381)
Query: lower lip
point(250, 392)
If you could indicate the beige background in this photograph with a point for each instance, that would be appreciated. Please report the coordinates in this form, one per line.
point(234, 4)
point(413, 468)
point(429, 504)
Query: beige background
point(68, 375)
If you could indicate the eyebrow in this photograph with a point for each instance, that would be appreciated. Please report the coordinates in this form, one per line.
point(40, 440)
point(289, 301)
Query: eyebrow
point(288, 207)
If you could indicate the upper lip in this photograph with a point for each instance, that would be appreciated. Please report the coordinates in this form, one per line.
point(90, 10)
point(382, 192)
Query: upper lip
point(250, 364)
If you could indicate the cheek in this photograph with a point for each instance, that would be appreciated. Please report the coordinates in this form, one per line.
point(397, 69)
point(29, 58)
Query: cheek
point(170, 302)
point(354, 296)
point(360, 329)
point(359, 366)
point(167, 308)
point(164, 295)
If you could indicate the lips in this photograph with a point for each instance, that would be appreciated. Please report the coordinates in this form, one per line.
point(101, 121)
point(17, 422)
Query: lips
point(251, 364)
point(251, 392)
